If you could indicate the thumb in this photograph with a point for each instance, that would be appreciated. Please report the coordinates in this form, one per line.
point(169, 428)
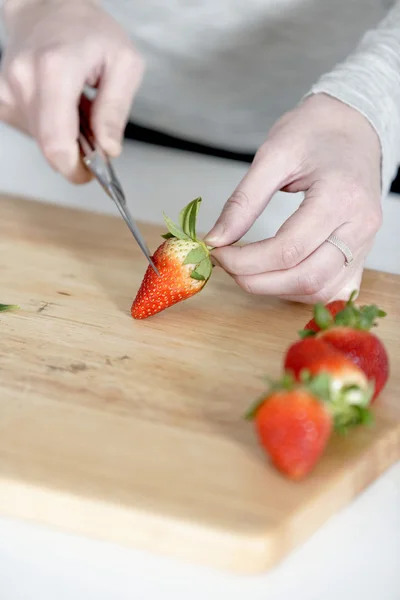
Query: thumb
point(266, 176)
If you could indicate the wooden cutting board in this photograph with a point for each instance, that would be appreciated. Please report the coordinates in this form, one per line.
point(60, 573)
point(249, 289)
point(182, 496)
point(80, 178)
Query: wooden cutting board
point(133, 431)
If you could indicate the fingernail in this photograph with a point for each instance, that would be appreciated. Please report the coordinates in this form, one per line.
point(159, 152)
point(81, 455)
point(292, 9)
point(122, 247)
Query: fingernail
point(213, 236)
point(112, 147)
point(110, 140)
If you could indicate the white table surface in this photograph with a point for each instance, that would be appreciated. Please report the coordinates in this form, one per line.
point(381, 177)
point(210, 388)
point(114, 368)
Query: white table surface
point(355, 555)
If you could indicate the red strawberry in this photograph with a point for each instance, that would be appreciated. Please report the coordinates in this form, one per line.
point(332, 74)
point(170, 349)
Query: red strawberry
point(300, 354)
point(348, 382)
point(349, 333)
point(294, 421)
point(184, 266)
point(333, 307)
point(294, 427)
point(365, 350)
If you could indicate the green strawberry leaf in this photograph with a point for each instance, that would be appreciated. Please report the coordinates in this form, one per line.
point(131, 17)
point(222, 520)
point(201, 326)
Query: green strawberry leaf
point(347, 316)
point(8, 307)
point(174, 230)
point(203, 270)
point(352, 297)
point(253, 409)
point(368, 315)
point(359, 318)
point(188, 218)
point(320, 386)
point(287, 383)
point(353, 416)
point(197, 276)
point(167, 236)
point(363, 317)
point(305, 333)
point(196, 256)
point(322, 316)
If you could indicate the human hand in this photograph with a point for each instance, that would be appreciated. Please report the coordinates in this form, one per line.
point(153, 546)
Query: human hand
point(54, 50)
point(332, 153)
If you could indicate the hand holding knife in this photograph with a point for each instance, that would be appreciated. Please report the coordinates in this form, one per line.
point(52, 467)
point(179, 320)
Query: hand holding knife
point(100, 165)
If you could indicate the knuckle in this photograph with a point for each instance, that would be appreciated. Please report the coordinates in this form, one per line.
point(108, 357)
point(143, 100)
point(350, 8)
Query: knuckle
point(54, 151)
point(17, 71)
point(110, 120)
point(292, 254)
point(239, 199)
point(261, 153)
point(246, 284)
point(310, 284)
point(320, 296)
point(50, 62)
point(354, 193)
point(373, 222)
point(132, 59)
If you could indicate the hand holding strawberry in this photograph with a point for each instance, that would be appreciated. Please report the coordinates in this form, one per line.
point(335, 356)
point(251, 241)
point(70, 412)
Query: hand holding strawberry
point(184, 266)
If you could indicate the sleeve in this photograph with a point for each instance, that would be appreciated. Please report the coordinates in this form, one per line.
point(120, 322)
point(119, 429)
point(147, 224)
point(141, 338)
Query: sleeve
point(369, 81)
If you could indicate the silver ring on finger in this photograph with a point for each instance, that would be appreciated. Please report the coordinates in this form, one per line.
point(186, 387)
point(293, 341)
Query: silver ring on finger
point(345, 250)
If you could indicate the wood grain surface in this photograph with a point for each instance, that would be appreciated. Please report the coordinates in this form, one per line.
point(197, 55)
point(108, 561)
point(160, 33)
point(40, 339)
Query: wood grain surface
point(132, 431)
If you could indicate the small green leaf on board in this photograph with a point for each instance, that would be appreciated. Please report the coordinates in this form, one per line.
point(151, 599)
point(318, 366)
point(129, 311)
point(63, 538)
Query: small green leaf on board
point(8, 307)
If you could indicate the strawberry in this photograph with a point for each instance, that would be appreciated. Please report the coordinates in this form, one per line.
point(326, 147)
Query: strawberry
point(294, 421)
point(293, 427)
point(333, 307)
point(184, 266)
point(349, 385)
point(300, 354)
point(349, 333)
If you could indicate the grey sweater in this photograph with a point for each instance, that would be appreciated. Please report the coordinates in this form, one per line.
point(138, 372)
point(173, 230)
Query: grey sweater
point(221, 72)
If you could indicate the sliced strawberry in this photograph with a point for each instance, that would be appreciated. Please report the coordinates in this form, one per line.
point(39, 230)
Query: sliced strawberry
point(184, 266)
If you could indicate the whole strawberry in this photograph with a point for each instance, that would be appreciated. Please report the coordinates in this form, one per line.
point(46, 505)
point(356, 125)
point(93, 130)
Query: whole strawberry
point(349, 384)
point(294, 421)
point(302, 353)
point(184, 266)
point(349, 333)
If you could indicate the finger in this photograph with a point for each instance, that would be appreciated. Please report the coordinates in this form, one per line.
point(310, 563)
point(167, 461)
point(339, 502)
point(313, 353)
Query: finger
point(113, 102)
point(265, 177)
point(340, 289)
point(54, 118)
point(302, 233)
point(306, 279)
point(309, 277)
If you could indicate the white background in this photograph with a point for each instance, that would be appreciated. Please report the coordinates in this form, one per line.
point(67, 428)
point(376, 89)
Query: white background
point(355, 555)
